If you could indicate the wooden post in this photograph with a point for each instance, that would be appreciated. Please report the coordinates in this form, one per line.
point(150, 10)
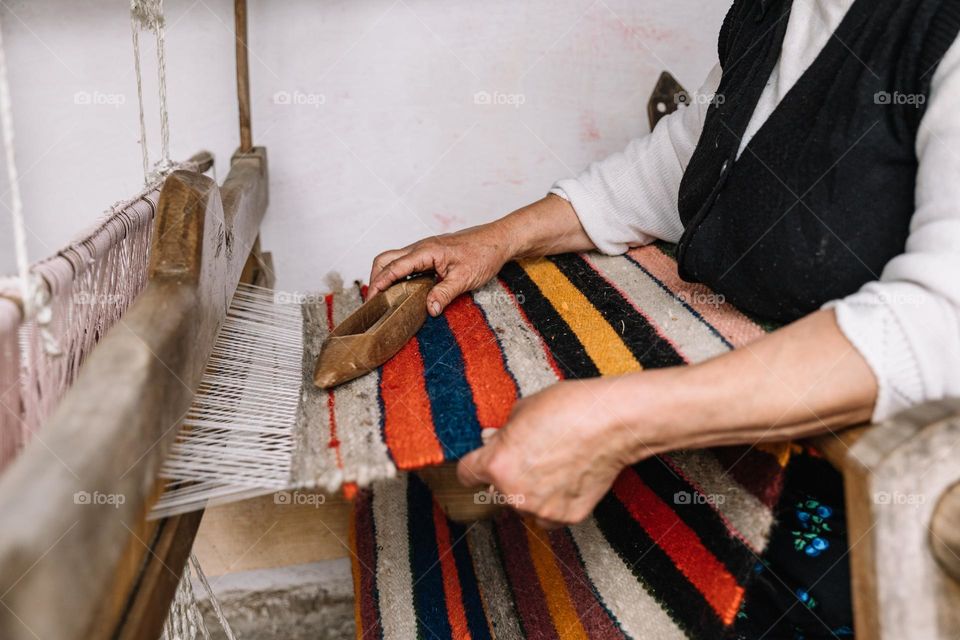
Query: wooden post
point(243, 75)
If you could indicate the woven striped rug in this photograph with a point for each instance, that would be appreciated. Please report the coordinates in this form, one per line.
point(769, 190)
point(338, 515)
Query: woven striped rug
point(666, 554)
point(569, 316)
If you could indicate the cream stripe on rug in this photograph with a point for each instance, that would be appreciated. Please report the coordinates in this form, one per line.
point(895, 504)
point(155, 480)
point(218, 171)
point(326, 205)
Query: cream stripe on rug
point(494, 588)
point(394, 579)
point(522, 346)
point(742, 511)
point(357, 409)
point(639, 615)
point(692, 338)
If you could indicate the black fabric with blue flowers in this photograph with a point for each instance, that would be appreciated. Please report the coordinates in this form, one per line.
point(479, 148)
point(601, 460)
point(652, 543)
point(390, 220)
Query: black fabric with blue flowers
point(802, 584)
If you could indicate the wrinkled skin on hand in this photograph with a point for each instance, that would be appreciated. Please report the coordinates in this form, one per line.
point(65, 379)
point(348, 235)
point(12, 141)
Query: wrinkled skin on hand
point(558, 454)
point(463, 261)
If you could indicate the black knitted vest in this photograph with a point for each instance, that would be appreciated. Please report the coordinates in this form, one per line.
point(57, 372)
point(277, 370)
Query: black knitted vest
point(822, 196)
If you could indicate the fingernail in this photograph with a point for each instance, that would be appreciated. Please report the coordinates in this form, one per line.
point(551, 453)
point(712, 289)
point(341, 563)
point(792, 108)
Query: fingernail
point(486, 434)
point(435, 308)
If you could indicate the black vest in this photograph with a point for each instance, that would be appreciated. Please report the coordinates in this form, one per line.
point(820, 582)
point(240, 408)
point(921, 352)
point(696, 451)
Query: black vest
point(822, 196)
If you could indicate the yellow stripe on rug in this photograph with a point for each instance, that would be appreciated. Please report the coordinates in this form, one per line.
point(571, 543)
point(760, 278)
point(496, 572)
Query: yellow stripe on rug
point(564, 614)
point(601, 342)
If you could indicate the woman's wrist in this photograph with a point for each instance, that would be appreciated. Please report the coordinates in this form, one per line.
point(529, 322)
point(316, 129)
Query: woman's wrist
point(651, 412)
point(545, 227)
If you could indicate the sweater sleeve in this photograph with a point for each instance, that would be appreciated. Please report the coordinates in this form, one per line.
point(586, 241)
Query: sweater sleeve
point(906, 325)
point(630, 198)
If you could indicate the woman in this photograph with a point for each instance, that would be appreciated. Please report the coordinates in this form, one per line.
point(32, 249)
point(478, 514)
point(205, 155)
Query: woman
point(813, 182)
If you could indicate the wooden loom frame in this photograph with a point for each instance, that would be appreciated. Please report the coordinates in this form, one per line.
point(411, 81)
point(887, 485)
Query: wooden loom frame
point(99, 571)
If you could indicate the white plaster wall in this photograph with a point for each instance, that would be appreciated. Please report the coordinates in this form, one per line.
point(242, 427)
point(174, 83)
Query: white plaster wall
point(368, 109)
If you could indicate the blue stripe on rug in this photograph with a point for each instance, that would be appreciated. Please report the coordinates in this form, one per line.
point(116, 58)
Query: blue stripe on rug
point(429, 598)
point(472, 602)
point(451, 399)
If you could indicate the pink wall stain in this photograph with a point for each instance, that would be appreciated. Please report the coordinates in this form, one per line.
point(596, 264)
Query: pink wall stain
point(589, 131)
point(449, 222)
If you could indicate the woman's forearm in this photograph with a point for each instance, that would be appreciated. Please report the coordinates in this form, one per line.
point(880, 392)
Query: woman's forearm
point(799, 381)
point(545, 227)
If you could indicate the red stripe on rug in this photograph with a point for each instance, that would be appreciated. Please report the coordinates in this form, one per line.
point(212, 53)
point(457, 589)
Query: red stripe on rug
point(456, 614)
point(407, 421)
point(531, 602)
point(681, 544)
point(737, 328)
point(523, 314)
point(334, 443)
point(494, 390)
point(593, 616)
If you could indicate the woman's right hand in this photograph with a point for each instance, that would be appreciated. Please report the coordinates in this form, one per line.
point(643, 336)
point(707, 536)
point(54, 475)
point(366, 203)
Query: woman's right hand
point(462, 261)
point(467, 259)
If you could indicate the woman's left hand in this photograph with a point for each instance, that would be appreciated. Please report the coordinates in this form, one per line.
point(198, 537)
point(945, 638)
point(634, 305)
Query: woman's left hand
point(559, 452)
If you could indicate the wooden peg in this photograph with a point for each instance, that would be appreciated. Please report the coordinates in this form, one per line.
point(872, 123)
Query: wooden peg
point(374, 333)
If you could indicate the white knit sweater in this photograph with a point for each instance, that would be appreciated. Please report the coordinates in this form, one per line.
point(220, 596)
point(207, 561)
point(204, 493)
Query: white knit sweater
point(906, 325)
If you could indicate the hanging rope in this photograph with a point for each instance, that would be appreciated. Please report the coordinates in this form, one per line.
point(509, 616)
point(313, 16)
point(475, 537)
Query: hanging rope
point(16, 203)
point(147, 15)
point(33, 293)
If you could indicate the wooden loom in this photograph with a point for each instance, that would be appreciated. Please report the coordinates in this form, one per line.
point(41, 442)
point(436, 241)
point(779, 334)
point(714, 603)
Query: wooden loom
point(98, 571)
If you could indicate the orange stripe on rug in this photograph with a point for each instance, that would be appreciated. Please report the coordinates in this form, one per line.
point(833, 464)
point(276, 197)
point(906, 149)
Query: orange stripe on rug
point(494, 390)
point(737, 328)
point(456, 614)
point(601, 342)
point(704, 571)
point(407, 421)
point(566, 620)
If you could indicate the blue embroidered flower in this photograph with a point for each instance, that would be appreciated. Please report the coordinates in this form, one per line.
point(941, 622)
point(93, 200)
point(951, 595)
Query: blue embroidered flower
point(804, 596)
point(812, 518)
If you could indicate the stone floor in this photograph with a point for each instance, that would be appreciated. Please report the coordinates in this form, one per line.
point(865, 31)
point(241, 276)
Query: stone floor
point(304, 601)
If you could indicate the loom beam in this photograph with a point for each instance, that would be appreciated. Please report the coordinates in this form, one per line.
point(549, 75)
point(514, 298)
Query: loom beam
point(70, 563)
